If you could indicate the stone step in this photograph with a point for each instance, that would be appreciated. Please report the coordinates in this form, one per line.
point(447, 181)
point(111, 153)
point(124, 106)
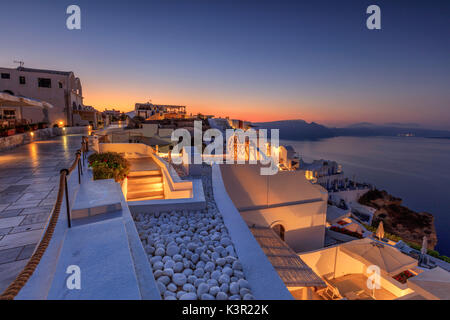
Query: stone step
point(143, 194)
point(144, 173)
point(135, 180)
point(160, 197)
point(145, 187)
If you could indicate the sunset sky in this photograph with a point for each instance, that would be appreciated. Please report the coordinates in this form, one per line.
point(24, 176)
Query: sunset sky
point(254, 60)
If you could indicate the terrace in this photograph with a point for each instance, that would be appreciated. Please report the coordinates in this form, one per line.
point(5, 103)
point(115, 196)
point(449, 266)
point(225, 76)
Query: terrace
point(346, 267)
point(91, 226)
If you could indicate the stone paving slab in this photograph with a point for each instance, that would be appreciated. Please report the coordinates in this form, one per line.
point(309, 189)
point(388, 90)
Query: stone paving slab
point(9, 271)
point(35, 218)
point(10, 255)
point(34, 196)
point(27, 227)
point(38, 209)
point(11, 222)
point(10, 213)
point(29, 178)
point(20, 239)
point(4, 231)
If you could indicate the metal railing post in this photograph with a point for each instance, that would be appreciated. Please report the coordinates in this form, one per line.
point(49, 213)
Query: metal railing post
point(78, 154)
point(66, 190)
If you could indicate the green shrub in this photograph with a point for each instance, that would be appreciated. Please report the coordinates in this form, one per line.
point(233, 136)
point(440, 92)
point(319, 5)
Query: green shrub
point(109, 165)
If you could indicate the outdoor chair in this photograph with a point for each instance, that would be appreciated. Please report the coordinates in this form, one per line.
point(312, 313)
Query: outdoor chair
point(330, 292)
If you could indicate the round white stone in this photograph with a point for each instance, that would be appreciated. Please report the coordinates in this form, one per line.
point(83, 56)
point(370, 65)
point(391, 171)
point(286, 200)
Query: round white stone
point(214, 290)
point(199, 272)
point(202, 288)
point(221, 296)
point(160, 252)
point(224, 278)
point(221, 261)
point(243, 284)
point(188, 287)
point(172, 250)
point(237, 265)
point(234, 288)
point(179, 279)
point(161, 287)
point(189, 296)
point(209, 267)
point(172, 287)
point(228, 271)
point(168, 272)
point(207, 296)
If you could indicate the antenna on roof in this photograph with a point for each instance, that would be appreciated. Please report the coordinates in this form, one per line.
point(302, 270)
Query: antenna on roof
point(21, 63)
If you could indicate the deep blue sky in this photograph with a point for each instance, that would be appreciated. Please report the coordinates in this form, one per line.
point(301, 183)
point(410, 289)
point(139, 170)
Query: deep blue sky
point(258, 60)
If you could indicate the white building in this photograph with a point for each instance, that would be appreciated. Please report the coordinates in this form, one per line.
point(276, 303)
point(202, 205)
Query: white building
point(59, 88)
point(158, 111)
point(327, 173)
point(286, 201)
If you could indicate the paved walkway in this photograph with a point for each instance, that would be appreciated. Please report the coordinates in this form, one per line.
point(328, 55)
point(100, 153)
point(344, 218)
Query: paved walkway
point(29, 177)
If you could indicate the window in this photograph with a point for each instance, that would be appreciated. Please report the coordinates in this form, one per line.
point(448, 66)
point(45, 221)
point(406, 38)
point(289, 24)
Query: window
point(6, 76)
point(60, 84)
point(44, 83)
point(22, 80)
point(9, 114)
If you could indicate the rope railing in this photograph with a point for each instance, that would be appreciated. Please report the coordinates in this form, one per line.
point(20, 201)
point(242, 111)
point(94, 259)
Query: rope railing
point(13, 289)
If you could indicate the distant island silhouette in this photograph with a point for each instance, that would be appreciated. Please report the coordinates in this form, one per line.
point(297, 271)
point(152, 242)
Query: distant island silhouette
point(302, 130)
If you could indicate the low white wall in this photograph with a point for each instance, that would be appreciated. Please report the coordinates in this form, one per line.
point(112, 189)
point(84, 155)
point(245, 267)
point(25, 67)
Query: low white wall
point(7, 143)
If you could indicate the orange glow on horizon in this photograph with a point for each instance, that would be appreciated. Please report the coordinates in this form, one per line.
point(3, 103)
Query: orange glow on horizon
point(256, 108)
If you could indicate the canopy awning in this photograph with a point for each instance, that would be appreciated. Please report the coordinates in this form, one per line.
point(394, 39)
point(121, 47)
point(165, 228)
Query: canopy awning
point(9, 100)
point(291, 269)
point(432, 284)
point(371, 252)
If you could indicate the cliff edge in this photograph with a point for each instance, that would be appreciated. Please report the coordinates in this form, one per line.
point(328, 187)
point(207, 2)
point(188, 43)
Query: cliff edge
point(400, 220)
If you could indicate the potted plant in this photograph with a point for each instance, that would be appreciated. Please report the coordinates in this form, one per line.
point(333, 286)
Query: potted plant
point(109, 165)
point(402, 277)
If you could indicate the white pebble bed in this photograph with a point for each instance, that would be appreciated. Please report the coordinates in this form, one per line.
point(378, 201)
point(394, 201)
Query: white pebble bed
point(191, 253)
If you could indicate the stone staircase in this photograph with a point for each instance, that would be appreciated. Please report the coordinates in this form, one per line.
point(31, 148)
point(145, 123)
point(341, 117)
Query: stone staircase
point(103, 244)
point(145, 185)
